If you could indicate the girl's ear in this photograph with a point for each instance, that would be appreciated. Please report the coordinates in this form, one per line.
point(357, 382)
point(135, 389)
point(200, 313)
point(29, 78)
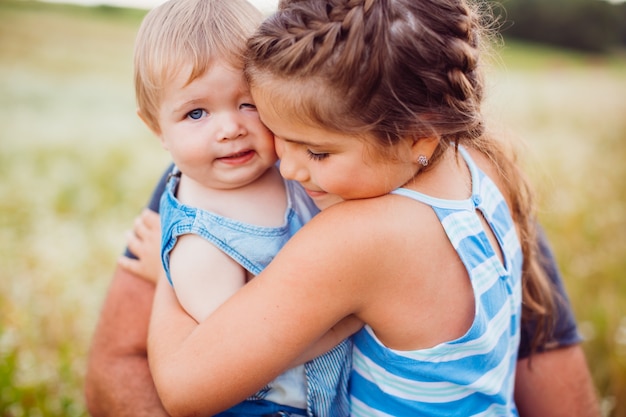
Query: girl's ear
point(154, 128)
point(424, 147)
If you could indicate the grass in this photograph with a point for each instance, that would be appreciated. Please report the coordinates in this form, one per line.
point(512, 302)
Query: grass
point(77, 165)
point(568, 109)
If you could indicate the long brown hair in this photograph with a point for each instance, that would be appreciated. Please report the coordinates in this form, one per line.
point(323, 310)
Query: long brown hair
point(397, 69)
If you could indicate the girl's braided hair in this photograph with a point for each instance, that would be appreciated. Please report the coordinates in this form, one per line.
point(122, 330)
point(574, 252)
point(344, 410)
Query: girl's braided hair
point(394, 69)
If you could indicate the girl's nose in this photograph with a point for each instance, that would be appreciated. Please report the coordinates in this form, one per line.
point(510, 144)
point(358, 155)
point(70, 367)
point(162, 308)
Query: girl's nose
point(290, 166)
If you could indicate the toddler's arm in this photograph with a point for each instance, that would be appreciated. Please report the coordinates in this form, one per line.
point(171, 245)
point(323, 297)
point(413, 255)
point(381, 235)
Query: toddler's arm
point(345, 328)
point(203, 276)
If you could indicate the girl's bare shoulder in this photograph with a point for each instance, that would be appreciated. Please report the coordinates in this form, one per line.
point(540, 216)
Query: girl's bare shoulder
point(366, 229)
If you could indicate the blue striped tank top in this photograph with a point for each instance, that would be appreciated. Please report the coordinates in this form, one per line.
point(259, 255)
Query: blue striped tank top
point(470, 376)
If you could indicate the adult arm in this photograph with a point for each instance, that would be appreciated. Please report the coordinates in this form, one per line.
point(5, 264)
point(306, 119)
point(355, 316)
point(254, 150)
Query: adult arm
point(118, 381)
point(555, 381)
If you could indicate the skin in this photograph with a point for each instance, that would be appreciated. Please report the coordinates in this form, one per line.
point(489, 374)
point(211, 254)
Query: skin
point(227, 158)
point(557, 385)
point(332, 167)
point(211, 128)
point(118, 381)
point(556, 377)
point(145, 242)
point(313, 263)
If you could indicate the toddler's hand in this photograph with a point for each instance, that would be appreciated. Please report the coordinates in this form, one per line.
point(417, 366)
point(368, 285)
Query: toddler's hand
point(145, 242)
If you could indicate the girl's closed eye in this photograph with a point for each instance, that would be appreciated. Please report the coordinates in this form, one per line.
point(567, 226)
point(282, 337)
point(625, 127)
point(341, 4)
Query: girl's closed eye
point(196, 114)
point(317, 156)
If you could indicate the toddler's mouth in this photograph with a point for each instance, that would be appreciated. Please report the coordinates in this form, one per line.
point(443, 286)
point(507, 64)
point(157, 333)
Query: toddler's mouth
point(239, 157)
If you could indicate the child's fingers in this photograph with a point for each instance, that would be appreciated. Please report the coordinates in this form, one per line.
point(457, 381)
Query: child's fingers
point(135, 267)
point(140, 229)
point(144, 241)
point(151, 219)
point(147, 225)
point(134, 243)
point(129, 264)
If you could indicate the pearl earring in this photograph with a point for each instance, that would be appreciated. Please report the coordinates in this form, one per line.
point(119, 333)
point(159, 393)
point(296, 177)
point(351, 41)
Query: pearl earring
point(422, 160)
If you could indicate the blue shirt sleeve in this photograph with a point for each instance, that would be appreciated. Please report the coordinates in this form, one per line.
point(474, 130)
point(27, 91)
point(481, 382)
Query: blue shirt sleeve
point(155, 199)
point(565, 331)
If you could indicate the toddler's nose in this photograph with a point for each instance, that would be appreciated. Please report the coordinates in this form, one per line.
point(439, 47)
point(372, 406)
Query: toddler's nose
point(231, 127)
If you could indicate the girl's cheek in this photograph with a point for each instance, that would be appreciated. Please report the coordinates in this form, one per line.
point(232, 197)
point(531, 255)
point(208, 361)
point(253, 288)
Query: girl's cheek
point(278, 146)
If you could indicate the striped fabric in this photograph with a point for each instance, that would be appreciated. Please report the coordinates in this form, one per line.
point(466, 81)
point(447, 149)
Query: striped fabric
point(472, 375)
point(253, 247)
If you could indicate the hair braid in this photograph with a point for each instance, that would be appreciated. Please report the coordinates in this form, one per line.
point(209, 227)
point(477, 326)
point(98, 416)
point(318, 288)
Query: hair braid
point(395, 69)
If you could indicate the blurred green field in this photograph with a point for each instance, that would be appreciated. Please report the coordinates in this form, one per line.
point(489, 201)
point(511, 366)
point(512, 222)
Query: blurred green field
point(77, 165)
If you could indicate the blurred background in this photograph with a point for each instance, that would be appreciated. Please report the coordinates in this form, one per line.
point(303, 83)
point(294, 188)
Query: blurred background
point(76, 166)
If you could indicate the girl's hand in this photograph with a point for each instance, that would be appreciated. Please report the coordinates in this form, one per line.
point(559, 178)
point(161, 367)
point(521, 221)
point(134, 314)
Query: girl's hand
point(145, 242)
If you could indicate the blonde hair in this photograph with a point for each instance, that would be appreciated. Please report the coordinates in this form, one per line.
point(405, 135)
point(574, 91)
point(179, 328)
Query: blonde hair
point(396, 69)
point(183, 33)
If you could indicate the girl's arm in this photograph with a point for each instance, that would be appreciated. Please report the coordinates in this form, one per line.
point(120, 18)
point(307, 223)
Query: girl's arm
point(260, 331)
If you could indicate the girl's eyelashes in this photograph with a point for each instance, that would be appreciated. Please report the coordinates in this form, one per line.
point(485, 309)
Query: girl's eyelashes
point(317, 156)
point(196, 114)
point(249, 106)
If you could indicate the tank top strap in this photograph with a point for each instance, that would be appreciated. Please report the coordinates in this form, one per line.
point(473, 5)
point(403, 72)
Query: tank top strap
point(463, 204)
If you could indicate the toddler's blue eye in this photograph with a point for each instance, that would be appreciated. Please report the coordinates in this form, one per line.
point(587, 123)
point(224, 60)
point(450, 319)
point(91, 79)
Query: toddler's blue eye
point(196, 114)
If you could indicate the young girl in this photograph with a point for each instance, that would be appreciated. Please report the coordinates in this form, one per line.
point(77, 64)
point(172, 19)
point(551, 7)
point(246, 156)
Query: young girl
point(425, 235)
point(226, 210)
